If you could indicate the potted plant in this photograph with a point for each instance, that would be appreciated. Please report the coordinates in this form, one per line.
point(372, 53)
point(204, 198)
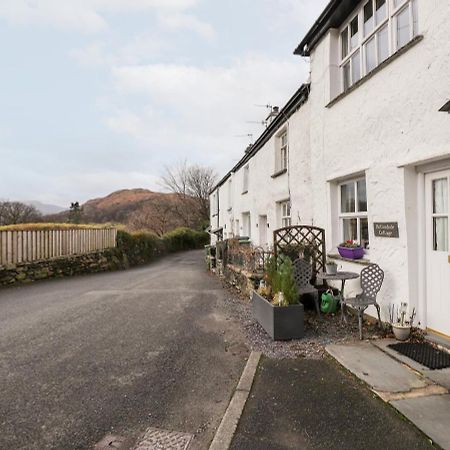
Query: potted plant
point(351, 250)
point(331, 267)
point(401, 323)
point(275, 304)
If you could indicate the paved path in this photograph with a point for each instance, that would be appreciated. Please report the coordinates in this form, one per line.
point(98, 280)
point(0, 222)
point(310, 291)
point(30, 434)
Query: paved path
point(314, 404)
point(115, 354)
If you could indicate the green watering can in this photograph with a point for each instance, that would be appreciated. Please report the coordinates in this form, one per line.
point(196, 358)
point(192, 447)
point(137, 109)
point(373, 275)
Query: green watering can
point(329, 302)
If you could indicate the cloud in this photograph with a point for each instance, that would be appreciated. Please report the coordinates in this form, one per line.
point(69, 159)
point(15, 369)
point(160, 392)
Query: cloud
point(197, 112)
point(188, 22)
point(85, 15)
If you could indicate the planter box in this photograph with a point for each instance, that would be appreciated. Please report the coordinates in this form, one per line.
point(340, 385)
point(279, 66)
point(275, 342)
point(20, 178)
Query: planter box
point(280, 322)
point(351, 253)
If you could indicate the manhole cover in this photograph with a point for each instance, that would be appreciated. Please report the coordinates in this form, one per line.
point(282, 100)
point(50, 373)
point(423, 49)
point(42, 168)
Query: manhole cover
point(424, 353)
point(156, 439)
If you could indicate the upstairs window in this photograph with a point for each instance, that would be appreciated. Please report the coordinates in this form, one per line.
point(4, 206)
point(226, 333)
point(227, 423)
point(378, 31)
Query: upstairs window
point(387, 26)
point(246, 179)
point(353, 212)
point(282, 152)
point(230, 194)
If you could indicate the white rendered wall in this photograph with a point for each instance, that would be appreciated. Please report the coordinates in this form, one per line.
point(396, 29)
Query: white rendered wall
point(389, 122)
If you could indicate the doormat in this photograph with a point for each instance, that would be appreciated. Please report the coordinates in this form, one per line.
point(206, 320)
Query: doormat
point(423, 353)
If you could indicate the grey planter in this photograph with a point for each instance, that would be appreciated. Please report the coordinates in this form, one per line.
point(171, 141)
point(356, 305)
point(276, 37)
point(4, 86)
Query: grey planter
point(280, 322)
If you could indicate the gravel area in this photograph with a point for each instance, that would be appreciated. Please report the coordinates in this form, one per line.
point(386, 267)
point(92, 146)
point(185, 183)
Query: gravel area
point(318, 333)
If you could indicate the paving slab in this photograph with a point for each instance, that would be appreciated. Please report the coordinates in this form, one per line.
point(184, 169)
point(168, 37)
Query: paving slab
point(377, 369)
point(441, 377)
point(429, 414)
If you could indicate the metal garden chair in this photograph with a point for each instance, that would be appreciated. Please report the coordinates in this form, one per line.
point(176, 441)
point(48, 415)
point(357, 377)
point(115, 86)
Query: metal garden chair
point(371, 280)
point(302, 277)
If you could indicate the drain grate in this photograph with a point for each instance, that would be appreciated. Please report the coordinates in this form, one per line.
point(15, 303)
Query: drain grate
point(156, 439)
point(424, 353)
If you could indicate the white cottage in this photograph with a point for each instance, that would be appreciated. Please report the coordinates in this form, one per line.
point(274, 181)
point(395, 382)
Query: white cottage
point(364, 146)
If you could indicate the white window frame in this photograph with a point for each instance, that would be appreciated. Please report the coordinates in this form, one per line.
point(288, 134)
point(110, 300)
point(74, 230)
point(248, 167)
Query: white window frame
point(282, 155)
point(246, 177)
point(358, 215)
point(390, 21)
point(285, 213)
point(230, 195)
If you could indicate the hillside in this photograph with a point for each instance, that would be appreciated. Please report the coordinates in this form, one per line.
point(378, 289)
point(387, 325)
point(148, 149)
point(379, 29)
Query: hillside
point(138, 209)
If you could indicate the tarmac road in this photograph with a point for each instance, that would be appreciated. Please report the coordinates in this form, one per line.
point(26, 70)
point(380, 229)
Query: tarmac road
point(117, 353)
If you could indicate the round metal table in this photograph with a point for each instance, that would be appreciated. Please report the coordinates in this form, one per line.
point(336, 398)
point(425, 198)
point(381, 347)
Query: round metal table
point(342, 277)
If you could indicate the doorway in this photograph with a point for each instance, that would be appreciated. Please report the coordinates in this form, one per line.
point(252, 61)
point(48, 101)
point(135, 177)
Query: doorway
point(437, 203)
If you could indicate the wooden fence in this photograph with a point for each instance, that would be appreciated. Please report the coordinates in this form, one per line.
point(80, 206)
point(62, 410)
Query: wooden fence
point(27, 246)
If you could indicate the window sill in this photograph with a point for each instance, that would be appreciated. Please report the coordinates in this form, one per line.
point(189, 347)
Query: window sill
point(279, 173)
point(377, 69)
point(362, 262)
point(245, 192)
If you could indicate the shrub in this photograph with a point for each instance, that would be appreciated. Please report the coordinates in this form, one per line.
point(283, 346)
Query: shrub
point(139, 248)
point(288, 286)
point(142, 247)
point(185, 239)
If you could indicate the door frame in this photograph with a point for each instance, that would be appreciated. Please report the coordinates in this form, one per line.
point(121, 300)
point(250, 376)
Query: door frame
point(422, 170)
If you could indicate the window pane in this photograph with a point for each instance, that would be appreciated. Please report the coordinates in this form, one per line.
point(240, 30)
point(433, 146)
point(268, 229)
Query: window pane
point(346, 75)
point(415, 18)
point(350, 229)
point(380, 11)
point(403, 28)
point(440, 234)
point(348, 198)
point(354, 38)
point(356, 67)
point(383, 44)
point(368, 18)
point(344, 43)
point(371, 57)
point(362, 196)
point(364, 232)
point(440, 196)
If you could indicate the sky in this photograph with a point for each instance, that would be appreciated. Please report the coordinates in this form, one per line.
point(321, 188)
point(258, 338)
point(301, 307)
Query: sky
point(101, 95)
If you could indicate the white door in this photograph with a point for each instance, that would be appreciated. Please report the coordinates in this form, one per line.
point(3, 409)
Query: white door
point(262, 225)
point(438, 251)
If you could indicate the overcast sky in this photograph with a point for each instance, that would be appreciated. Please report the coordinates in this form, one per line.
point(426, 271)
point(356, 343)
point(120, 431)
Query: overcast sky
point(99, 95)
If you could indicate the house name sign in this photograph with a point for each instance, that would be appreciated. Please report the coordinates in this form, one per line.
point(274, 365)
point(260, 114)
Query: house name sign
point(386, 229)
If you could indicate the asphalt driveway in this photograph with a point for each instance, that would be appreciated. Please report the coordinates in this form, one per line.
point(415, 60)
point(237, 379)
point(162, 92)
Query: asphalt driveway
point(117, 353)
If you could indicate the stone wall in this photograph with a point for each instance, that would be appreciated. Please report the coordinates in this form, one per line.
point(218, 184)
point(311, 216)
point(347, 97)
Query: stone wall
point(62, 267)
point(244, 281)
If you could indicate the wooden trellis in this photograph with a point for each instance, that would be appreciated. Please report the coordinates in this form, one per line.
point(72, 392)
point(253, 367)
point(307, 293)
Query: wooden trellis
point(305, 238)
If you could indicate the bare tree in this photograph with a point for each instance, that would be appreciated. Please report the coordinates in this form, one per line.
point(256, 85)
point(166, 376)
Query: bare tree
point(12, 213)
point(192, 184)
point(156, 216)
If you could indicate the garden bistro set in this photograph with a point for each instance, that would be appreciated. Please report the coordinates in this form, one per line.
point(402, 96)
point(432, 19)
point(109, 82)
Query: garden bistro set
point(280, 281)
point(298, 269)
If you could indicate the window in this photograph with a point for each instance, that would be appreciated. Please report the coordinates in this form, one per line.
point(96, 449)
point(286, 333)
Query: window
point(382, 22)
point(246, 179)
point(285, 209)
point(353, 212)
point(281, 157)
point(230, 194)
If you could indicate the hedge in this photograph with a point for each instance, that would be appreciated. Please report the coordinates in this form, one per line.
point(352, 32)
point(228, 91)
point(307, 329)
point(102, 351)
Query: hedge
point(142, 247)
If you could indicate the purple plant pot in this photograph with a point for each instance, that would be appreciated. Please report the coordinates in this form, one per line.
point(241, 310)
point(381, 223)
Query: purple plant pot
point(351, 253)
